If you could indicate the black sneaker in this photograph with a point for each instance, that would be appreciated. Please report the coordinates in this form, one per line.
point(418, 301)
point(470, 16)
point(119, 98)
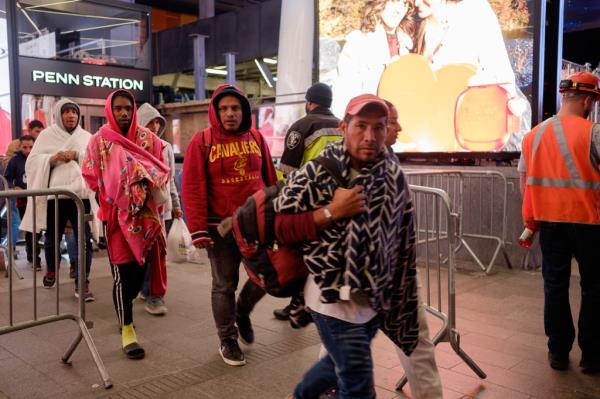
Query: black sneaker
point(282, 314)
point(38, 264)
point(231, 353)
point(588, 366)
point(49, 280)
point(558, 362)
point(72, 272)
point(245, 329)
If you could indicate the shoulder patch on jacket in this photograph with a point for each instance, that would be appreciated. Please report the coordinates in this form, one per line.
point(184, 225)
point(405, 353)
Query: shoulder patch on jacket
point(294, 138)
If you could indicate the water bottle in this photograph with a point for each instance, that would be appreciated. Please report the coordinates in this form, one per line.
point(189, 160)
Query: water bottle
point(526, 239)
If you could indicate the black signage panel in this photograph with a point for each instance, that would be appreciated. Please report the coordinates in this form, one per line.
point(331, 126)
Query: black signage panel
point(39, 76)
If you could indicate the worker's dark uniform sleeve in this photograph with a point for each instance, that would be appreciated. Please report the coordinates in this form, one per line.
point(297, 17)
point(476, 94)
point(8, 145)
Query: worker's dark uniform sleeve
point(293, 150)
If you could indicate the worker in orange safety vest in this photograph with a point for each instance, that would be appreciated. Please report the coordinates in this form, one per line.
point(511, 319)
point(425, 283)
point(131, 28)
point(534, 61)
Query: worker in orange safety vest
point(560, 166)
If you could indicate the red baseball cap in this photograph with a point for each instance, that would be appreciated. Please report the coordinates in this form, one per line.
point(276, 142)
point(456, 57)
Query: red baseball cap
point(359, 102)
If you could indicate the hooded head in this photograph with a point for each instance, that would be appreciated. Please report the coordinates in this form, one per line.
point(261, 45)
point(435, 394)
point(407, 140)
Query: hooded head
point(147, 114)
point(224, 120)
point(66, 115)
point(121, 113)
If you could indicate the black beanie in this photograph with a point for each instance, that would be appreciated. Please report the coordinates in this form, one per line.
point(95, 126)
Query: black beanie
point(69, 106)
point(319, 93)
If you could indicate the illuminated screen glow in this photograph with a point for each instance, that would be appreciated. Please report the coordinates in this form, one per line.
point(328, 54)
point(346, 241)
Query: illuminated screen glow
point(459, 72)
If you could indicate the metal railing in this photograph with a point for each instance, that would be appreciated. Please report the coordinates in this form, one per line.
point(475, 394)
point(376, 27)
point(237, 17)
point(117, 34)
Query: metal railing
point(436, 232)
point(58, 316)
point(473, 192)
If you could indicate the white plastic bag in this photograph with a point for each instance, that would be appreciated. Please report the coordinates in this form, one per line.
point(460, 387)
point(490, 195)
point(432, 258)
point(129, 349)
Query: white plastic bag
point(179, 242)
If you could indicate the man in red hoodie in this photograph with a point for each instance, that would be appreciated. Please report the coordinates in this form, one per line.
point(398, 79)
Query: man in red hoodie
point(224, 165)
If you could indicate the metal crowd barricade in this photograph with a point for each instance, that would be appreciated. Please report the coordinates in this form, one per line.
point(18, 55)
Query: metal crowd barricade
point(58, 316)
point(436, 233)
point(473, 192)
point(8, 261)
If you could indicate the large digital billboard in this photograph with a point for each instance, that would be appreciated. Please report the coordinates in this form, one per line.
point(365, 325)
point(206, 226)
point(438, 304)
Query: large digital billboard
point(458, 71)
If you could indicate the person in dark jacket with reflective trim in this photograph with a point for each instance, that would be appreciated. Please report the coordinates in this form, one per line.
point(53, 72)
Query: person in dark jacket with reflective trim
point(307, 137)
point(305, 140)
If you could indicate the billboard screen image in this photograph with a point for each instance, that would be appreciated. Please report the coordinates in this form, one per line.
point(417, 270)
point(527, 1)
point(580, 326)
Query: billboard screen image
point(458, 71)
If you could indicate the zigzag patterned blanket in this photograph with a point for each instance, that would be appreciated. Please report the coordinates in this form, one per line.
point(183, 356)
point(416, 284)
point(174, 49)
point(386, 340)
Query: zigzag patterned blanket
point(373, 252)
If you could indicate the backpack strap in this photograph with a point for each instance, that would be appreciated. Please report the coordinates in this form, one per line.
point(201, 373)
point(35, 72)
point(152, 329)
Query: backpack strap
point(332, 167)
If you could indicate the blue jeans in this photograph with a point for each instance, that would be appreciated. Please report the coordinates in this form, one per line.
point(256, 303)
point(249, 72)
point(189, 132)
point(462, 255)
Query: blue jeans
point(561, 242)
point(348, 365)
point(67, 212)
point(15, 221)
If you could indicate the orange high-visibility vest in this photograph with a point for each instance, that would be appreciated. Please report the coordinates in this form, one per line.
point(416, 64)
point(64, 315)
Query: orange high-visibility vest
point(562, 183)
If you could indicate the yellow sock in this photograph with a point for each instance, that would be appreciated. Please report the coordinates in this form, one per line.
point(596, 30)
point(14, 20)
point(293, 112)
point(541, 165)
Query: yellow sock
point(128, 335)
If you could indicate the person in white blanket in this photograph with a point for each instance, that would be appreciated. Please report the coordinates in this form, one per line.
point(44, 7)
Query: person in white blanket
point(55, 163)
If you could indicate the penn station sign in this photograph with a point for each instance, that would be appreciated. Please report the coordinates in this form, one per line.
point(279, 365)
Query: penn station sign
point(39, 76)
point(66, 78)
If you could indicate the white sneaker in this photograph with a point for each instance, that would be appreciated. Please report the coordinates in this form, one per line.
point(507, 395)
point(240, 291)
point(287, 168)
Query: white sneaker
point(156, 306)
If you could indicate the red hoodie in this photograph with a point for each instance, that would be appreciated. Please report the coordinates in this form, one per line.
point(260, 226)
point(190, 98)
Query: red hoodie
point(222, 169)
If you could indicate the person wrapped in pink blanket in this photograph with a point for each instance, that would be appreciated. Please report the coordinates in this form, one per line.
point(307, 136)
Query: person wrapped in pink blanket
point(125, 167)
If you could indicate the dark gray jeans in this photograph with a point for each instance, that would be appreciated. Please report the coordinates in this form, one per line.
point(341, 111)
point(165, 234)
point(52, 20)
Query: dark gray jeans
point(225, 259)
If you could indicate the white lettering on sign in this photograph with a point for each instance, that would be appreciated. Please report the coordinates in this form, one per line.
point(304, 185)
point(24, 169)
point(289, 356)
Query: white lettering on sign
point(65, 78)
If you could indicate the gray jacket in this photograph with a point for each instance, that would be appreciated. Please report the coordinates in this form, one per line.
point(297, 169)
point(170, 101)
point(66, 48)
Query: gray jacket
point(146, 113)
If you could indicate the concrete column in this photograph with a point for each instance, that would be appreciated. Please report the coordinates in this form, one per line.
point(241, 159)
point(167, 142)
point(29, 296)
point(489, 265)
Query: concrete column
point(199, 66)
point(230, 62)
point(206, 9)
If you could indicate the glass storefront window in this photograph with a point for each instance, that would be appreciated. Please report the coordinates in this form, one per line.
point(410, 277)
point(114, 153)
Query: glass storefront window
point(5, 127)
point(84, 31)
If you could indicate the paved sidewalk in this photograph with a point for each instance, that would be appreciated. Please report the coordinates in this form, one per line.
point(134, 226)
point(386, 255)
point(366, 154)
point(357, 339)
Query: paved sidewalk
point(499, 318)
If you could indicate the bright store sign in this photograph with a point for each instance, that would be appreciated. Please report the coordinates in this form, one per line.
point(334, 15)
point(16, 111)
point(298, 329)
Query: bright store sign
point(65, 78)
point(43, 77)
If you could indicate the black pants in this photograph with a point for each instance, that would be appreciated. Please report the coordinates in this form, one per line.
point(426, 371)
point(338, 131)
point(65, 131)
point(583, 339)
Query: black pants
point(127, 282)
point(29, 242)
point(561, 242)
point(225, 259)
point(67, 212)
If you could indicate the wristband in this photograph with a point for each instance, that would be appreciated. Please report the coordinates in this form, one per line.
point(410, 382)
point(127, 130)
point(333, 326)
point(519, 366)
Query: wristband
point(328, 214)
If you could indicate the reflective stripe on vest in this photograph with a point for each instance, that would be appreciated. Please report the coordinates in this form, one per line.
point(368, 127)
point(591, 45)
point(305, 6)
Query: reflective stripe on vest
point(575, 180)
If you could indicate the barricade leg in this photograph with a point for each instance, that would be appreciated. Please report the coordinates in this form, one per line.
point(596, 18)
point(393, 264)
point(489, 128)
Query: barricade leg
point(455, 344)
point(84, 333)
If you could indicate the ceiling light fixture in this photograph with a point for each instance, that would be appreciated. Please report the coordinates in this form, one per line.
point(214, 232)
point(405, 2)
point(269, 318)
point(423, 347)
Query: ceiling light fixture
point(72, 14)
point(214, 71)
point(29, 19)
point(265, 72)
point(51, 4)
point(99, 27)
point(271, 61)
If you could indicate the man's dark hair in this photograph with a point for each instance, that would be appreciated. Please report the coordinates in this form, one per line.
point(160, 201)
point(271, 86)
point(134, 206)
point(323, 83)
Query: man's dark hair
point(26, 137)
point(35, 123)
point(124, 94)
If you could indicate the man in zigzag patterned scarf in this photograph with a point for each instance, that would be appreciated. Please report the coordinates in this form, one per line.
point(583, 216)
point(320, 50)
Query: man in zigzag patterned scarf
point(362, 268)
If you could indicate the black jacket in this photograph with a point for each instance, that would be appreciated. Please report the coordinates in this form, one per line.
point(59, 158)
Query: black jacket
point(318, 123)
point(15, 171)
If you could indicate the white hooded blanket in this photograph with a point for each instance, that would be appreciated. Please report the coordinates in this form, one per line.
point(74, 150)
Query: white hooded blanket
point(39, 173)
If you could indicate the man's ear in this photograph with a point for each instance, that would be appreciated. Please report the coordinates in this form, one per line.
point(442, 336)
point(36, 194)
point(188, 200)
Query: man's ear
point(342, 126)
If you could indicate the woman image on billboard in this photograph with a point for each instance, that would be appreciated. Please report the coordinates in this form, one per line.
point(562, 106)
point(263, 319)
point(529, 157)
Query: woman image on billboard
point(388, 30)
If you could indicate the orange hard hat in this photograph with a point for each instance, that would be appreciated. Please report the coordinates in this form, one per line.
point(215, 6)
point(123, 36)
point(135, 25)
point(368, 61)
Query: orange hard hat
point(580, 81)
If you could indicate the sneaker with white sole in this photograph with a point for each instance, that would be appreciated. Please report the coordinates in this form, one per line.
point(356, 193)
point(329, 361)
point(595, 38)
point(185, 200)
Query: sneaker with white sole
point(156, 306)
point(88, 296)
point(231, 353)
